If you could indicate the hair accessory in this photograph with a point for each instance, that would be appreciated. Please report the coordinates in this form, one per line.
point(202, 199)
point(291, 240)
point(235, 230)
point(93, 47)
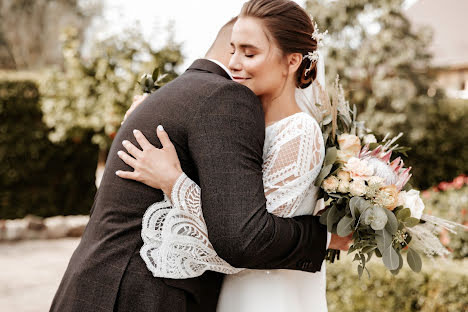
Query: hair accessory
point(318, 36)
point(314, 56)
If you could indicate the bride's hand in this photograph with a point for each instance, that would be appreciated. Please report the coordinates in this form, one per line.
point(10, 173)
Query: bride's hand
point(158, 168)
point(137, 100)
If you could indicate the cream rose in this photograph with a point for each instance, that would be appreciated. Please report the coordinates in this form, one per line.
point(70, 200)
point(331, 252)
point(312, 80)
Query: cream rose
point(357, 188)
point(358, 169)
point(343, 187)
point(330, 184)
point(343, 175)
point(387, 197)
point(343, 157)
point(413, 201)
point(349, 144)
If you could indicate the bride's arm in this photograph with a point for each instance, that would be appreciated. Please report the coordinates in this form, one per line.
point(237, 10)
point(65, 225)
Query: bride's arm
point(291, 166)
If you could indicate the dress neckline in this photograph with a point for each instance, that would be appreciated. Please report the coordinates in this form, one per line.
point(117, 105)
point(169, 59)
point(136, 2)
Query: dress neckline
point(284, 119)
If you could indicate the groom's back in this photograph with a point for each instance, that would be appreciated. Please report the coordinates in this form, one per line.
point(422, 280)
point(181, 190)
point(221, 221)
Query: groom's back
point(106, 269)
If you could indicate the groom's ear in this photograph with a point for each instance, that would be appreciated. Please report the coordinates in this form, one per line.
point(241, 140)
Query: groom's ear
point(294, 61)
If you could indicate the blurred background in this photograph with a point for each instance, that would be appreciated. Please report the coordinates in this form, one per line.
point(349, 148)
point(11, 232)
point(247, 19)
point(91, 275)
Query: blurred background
point(70, 68)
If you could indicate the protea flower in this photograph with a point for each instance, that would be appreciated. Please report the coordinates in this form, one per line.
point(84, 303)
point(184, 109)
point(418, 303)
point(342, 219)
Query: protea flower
point(393, 172)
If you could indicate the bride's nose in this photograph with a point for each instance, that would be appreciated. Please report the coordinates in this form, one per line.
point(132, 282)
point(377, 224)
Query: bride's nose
point(234, 63)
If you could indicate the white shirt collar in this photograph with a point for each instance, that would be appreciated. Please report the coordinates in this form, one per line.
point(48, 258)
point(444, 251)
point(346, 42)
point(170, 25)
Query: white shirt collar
point(222, 66)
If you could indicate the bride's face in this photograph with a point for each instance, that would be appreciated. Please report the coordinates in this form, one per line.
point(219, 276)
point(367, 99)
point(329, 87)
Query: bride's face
point(256, 61)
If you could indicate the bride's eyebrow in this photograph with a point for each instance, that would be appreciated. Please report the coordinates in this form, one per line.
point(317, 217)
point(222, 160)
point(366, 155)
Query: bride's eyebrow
point(245, 46)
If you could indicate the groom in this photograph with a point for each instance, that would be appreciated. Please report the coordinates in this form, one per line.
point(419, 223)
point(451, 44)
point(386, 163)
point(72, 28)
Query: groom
point(218, 129)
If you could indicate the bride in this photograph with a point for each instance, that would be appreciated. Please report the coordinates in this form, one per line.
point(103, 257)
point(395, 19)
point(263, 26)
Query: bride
point(274, 54)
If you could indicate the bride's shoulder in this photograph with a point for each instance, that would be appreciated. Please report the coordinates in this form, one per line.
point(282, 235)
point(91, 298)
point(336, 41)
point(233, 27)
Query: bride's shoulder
point(305, 121)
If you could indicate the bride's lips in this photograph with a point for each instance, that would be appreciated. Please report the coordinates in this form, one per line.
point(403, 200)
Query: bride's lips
point(239, 79)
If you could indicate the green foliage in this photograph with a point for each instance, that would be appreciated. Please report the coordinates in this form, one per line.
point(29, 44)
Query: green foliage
point(441, 286)
point(439, 151)
point(93, 93)
point(37, 176)
point(384, 66)
point(382, 61)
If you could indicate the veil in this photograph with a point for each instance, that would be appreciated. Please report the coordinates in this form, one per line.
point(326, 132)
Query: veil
point(313, 99)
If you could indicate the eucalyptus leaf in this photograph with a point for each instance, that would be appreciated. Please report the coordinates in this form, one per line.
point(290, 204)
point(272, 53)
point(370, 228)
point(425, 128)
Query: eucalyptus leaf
point(323, 174)
point(345, 226)
point(360, 269)
point(400, 265)
point(323, 217)
point(392, 222)
point(384, 240)
point(351, 249)
point(332, 218)
point(353, 205)
point(325, 137)
point(410, 222)
point(404, 214)
point(368, 249)
point(390, 258)
point(414, 260)
point(330, 156)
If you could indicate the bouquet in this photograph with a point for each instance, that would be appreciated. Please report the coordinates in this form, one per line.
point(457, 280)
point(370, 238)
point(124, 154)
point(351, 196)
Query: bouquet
point(364, 185)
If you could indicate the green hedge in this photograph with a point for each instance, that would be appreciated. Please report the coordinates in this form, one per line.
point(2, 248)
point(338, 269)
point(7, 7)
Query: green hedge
point(441, 286)
point(37, 176)
point(441, 153)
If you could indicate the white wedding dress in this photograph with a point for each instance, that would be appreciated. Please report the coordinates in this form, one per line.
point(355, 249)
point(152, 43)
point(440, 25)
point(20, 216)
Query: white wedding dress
point(176, 243)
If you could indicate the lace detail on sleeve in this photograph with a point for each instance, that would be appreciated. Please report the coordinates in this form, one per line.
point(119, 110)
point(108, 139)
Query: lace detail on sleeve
point(292, 162)
point(175, 236)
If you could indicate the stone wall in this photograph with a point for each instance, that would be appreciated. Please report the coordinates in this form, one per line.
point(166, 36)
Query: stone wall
point(32, 227)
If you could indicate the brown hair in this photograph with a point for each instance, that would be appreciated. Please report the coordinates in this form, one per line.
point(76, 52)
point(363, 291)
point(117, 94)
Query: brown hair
point(291, 28)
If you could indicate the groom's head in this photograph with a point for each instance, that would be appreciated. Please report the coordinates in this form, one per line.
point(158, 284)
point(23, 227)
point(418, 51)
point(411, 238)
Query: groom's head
point(221, 48)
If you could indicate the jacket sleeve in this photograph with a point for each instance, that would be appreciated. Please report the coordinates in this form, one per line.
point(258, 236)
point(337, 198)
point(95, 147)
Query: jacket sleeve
point(225, 138)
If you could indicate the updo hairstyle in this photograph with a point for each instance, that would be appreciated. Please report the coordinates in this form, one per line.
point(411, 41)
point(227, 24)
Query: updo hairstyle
point(290, 27)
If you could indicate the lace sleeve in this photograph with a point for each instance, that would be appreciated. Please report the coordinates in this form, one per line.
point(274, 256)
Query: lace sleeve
point(175, 236)
point(291, 165)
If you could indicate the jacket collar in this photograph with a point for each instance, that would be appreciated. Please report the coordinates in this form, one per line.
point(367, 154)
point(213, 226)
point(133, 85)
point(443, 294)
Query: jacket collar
point(209, 66)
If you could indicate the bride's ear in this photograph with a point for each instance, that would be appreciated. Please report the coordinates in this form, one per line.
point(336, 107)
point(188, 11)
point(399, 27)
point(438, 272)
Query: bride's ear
point(294, 62)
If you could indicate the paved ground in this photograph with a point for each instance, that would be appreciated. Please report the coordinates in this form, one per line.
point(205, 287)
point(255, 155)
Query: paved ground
point(30, 272)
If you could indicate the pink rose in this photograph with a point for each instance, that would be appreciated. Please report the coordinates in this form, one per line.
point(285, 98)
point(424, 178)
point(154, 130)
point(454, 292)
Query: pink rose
point(358, 169)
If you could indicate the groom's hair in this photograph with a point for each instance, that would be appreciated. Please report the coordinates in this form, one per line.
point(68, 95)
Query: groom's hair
point(221, 45)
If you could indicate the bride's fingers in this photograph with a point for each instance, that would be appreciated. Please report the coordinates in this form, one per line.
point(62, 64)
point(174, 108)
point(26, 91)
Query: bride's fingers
point(127, 159)
point(131, 175)
point(132, 149)
point(163, 137)
point(141, 139)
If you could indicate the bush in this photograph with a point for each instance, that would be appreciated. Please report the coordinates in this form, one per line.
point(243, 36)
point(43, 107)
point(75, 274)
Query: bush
point(439, 152)
point(449, 200)
point(441, 286)
point(37, 176)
